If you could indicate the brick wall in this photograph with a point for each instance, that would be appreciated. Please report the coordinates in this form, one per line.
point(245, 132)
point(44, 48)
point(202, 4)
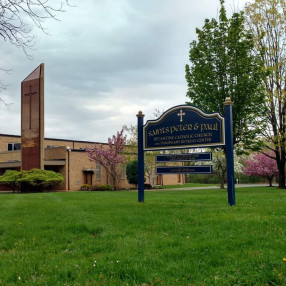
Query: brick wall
point(4, 140)
point(10, 156)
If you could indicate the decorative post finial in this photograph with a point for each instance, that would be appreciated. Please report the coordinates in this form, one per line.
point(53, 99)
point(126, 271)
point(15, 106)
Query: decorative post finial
point(140, 114)
point(228, 101)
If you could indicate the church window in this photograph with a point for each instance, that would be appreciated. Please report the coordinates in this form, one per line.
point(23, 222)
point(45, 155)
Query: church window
point(98, 171)
point(13, 146)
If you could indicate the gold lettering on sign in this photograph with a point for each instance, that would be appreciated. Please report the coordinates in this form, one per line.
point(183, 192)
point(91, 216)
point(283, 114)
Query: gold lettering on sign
point(185, 127)
point(209, 126)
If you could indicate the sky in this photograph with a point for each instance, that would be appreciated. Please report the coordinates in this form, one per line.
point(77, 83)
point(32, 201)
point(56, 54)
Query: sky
point(104, 61)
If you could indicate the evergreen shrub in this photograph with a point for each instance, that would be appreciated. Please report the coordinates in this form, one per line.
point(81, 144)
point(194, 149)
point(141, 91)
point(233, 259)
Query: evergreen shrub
point(32, 181)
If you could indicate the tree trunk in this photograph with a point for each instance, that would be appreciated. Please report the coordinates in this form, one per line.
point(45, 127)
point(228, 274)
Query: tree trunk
point(281, 169)
point(270, 180)
point(222, 183)
point(113, 177)
point(281, 176)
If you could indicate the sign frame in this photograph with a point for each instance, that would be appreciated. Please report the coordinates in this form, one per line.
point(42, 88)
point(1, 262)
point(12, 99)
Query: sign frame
point(181, 127)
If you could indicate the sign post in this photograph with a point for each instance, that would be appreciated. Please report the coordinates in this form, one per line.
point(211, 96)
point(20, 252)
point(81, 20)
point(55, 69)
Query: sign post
point(229, 151)
point(141, 175)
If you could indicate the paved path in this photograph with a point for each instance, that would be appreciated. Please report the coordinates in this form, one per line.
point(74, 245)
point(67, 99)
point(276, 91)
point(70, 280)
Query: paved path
point(211, 187)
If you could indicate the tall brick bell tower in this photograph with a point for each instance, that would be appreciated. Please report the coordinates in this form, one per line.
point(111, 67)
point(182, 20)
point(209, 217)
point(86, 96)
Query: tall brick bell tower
point(32, 120)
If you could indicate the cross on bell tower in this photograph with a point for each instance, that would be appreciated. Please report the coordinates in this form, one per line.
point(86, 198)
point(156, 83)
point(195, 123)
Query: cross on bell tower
point(30, 109)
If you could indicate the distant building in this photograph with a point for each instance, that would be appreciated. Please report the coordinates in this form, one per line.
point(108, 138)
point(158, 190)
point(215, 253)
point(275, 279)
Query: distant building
point(69, 158)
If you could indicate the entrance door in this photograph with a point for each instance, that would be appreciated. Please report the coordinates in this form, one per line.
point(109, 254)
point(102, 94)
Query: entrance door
point(88, 179)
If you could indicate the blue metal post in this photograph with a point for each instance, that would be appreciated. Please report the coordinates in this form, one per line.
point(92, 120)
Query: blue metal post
point(229, 151)
point(141, 173)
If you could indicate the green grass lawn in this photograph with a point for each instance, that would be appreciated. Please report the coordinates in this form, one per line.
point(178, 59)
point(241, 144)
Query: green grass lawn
point(174, 238)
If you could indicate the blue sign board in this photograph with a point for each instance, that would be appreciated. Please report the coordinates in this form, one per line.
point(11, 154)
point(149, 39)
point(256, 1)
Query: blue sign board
point(184, 170)
point(204, 156)
point(184, 126)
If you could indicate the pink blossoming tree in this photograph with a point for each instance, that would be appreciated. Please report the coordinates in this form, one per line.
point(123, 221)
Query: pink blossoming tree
point(108, 157)
point(261, 165)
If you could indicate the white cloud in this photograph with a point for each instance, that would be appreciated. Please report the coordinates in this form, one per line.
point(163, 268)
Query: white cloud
point(105, 61)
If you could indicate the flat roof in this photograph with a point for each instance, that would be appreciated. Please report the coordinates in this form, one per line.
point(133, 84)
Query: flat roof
point(56, 139)
point(17, 164)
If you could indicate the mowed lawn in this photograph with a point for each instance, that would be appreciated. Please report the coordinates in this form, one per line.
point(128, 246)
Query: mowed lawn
point(174, 238)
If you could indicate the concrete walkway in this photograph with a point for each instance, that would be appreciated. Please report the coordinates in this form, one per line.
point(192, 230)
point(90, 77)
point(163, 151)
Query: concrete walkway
point(212, 187)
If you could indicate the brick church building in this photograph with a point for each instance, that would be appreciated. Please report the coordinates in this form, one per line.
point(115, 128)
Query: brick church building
point(68, 157)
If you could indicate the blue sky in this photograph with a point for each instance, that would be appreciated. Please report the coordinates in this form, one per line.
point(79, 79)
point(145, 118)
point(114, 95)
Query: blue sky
point(105, 61)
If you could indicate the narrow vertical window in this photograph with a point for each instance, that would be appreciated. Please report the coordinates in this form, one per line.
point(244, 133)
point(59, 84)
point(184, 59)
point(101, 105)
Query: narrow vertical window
point(10, 147)
point(98, 172)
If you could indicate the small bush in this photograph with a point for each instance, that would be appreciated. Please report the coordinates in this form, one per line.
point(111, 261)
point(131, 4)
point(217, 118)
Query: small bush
point(147, 186)
point(85, 187)
point(132, 172)
point(102, 188)
point(203, 179)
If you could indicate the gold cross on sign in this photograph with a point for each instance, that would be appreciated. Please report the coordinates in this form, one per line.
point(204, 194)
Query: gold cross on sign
point(181, 114)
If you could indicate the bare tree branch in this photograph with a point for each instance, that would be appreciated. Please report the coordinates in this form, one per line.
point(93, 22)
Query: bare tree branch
point(16, 20)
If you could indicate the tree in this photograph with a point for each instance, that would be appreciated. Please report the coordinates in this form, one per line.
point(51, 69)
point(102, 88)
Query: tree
point(109, 157)
point(132, 172)
point(267, 23)
point(220, 166)
point(261, 165)
point(222, 65)
point(149, 156)
point(17, 18)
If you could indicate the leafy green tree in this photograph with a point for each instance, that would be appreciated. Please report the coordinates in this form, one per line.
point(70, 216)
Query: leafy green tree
point(267, 21)
point(132, 172)
point(222, 65)
point(220, 166)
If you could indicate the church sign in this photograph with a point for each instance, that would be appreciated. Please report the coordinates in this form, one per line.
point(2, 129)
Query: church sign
point(184, 127)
